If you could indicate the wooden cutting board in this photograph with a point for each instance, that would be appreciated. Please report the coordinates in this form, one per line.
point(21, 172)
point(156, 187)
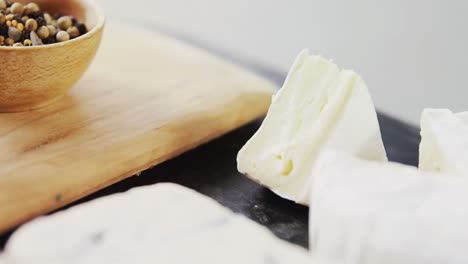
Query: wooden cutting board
point(146, 98)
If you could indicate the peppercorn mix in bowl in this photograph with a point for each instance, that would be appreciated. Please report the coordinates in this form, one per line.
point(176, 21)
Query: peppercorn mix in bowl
point(45, 48)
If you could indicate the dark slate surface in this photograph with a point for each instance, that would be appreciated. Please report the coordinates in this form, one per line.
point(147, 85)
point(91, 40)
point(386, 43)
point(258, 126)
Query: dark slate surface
point(211, 170)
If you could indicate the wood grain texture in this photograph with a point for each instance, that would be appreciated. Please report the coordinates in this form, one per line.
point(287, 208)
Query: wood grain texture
point(141, 103)
point(32, 77)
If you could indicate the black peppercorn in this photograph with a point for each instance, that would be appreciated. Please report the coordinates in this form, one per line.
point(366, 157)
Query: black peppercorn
point(82, 28)
point(17, 17)
point(4, 30)
point(36, 14)
point(41, 21)
point(24, 35)
point(50, 40)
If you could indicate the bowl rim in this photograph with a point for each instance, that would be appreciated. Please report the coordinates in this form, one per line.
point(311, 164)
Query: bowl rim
point(101, 18)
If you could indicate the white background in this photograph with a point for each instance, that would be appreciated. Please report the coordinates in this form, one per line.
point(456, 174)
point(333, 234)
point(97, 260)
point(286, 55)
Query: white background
point(412, 53)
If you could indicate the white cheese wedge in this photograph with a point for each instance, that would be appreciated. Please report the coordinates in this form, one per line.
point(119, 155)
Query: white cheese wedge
point(444, 144)
point(165, 223)
point(319, 107)
point(369, 212)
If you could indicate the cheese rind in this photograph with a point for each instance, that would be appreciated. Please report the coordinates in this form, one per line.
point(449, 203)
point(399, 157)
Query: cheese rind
point(165, 223)
point(369, 212)
point(319, 107)
point(444, 144)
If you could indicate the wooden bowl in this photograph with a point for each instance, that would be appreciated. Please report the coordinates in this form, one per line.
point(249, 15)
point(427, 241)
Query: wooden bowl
point(32, 77)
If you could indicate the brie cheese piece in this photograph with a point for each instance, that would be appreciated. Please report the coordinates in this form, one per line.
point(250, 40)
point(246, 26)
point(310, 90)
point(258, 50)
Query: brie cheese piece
point(367, 212)
point(444, 144)
point(165, 223)
point(319, 107)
